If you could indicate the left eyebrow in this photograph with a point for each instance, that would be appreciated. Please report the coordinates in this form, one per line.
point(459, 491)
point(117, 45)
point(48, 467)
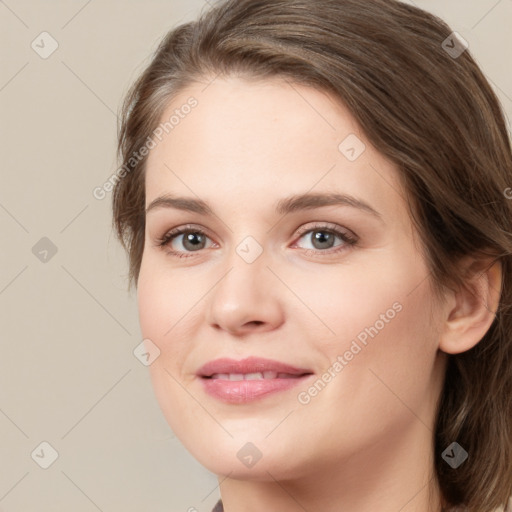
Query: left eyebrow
point(284, 206)
point(316, 200)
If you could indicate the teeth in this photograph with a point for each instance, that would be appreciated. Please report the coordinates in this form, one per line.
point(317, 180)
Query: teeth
point(251, 376)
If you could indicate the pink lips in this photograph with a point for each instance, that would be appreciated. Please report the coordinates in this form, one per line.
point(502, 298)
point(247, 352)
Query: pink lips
point(249, 379)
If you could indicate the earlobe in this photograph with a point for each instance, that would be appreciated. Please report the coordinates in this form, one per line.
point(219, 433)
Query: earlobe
point(471, 312)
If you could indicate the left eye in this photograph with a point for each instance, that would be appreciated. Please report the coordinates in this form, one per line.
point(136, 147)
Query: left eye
point(322, 238)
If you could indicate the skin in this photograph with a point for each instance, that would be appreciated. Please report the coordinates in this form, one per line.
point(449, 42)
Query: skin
point(364, 441)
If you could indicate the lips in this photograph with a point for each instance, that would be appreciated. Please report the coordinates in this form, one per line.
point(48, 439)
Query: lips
point(249, 379)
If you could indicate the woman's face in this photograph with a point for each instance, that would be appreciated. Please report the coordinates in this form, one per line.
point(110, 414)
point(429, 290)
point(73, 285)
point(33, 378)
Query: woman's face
point(300, 252)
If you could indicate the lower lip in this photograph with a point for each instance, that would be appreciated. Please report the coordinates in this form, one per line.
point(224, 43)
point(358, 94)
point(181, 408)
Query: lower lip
point(244, 391)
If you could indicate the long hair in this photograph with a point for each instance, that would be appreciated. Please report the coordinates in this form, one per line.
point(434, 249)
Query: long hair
point(423, 102)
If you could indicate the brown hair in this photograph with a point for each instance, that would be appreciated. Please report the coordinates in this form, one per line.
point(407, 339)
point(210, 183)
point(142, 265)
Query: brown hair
point(429, 111)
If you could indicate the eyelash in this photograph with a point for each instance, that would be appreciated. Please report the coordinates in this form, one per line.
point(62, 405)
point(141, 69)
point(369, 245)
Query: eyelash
point(348, 240)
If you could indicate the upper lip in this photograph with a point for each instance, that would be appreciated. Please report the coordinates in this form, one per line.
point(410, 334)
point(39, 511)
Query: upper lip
point(248, 365)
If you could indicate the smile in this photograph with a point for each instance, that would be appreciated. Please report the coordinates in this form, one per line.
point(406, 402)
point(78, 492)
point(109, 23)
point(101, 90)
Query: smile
point(250, 379)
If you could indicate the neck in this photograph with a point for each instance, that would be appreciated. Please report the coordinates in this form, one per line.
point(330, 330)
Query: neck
point(396, 473)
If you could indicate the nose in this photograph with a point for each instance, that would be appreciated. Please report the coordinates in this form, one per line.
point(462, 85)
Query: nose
point(248, 298)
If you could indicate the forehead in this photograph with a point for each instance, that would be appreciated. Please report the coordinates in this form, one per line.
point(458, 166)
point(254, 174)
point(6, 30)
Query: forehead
point(257, 141)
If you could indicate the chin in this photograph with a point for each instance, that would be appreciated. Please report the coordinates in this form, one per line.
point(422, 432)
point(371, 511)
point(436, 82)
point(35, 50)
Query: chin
point(243, 460)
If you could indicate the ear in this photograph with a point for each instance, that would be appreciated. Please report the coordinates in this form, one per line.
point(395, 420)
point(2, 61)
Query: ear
point(470, 311)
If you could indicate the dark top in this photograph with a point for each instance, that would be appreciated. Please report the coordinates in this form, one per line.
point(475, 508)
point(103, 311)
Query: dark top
point(218, 507)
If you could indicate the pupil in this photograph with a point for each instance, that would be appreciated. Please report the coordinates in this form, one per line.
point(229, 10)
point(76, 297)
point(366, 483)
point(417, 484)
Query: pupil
point(322, 237)
point(190, 239)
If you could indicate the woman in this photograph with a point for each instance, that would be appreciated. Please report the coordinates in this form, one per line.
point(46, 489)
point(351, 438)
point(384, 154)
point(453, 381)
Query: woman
point(315, 200)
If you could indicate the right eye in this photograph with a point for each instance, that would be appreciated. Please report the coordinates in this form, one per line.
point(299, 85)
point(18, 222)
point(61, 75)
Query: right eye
point(190, 238)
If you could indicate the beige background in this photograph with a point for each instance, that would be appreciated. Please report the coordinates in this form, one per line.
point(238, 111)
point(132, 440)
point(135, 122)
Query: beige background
point(68, 375)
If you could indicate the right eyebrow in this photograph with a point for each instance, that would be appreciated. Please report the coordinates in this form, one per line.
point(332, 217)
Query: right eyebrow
point(188, 204)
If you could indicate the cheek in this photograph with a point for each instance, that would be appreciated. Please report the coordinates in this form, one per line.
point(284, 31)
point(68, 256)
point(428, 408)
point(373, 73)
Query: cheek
point(164, 303)
point(384, 330)
point(151, 302)
point(163, 311)
point(388, 345)
point(170, 313)
point(363, 300)
point(159, 307)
